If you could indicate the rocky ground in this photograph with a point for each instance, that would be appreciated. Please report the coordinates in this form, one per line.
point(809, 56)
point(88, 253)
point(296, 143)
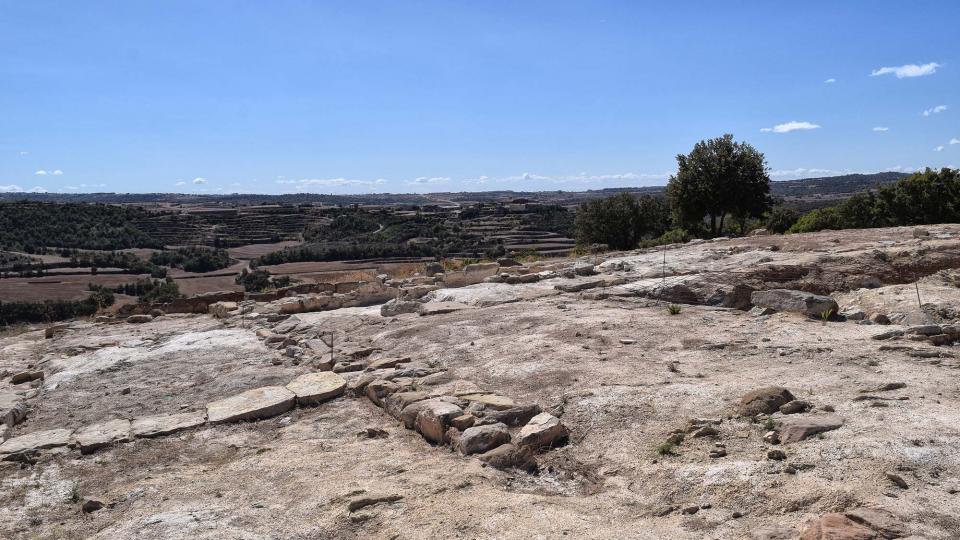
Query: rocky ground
point(653, 395)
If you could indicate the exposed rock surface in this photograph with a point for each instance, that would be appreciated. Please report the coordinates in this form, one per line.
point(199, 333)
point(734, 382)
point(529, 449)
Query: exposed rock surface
point(166, 424)
point(798, 301)
point(542, 431)
point(315, 388)
point(94, 437)
point(251, 405)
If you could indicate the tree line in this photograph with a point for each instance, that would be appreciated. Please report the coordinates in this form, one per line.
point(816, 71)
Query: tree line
point(723, 186)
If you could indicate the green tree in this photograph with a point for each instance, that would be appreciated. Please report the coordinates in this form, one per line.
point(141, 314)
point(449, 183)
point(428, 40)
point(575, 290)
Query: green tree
point(717, 178)
point(621, 221)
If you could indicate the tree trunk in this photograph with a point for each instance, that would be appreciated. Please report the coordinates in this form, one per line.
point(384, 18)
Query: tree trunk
point(713, 225)
point(722, 217)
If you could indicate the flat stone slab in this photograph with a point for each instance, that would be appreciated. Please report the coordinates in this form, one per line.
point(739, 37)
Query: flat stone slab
point(12, 409)
point(315, 388)
point(383, 363)
point(155, 426)
point(37, 440)
point(799, 428)
point(439, 308)
point(253, 404)
point(493, 401)
point(96, 436)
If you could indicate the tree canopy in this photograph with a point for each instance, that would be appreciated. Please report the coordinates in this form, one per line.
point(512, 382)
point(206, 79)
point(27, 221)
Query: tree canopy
point(719, 177)
point(621, 221)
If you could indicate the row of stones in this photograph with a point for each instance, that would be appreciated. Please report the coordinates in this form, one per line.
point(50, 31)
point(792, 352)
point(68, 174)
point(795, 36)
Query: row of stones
point(469, 421)
point(306, 390)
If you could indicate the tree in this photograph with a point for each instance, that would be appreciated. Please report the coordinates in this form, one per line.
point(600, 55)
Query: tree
point(719, 177)
point(621, 221)
point(781, 219)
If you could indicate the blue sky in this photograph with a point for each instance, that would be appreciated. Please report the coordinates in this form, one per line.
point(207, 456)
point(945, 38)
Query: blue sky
point(356, 96)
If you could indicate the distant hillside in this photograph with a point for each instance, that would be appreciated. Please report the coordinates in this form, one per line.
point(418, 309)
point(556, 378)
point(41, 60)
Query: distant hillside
point(825, 188)
point(847, 184)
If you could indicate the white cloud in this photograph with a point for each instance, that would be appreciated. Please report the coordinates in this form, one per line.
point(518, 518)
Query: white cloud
point(582, 178)
point(11, 189)
point(831, 80)
point(37, 189)
point(881, 128)
point(802, 172)
point(57, 172)
point(181, 183)
point(907, 70)
point(934, 110)
point(24, 153)
point(199, 180)
point(429, 180)
point(329, 182)
point(41, 172)
point(954, 141)
point(938, 149)
point(791, 126)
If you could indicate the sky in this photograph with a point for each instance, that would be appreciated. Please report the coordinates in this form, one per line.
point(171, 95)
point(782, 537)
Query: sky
point(359, 96)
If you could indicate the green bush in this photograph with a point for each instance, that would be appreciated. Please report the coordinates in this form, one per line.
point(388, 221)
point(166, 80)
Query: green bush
point(817, 220)
point(781, 219)
point(163, 292)
point(193, 259)
point(621, 221)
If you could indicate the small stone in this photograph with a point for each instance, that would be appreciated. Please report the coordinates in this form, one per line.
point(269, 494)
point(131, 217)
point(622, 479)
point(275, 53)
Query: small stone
point(690, 510)
point(627, 341)
point(764, 400)
point(364, 502)
point(91, 505)
point(463, 421)
point(898, 480)
point(139, 319)
point(795, 406)
point(718, 453)
point(795, 429)
point(771, 437)
point(26, 376)
point(776, 455)
point(663, 511)
point(706, 431)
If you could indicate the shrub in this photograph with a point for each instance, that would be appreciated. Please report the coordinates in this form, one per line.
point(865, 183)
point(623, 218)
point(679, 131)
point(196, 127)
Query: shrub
point(781, 219)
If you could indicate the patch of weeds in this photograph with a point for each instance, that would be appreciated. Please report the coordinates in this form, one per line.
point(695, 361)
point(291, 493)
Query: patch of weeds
point(668, 449)
point(75, 492)
point(769, 424)
point(674, 309)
